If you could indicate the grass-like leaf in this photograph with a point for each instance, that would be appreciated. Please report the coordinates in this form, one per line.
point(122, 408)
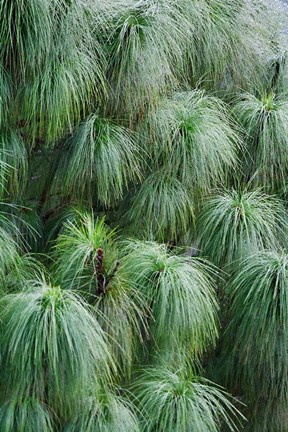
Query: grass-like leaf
point(122, 312)
point(192, 135)
point(13, 165)
point(229, 44)
point(180, 291)
point(163, 207)
point(175, 401)
point(239, 220)
point(144, 47)
point(265, 121)
point(57, 218)
point(100, 160)
point(258, 325)
point(87, 260)
point(77, 249)
point(106, 413)
point(71, 75)
point(21, 272)
point(5, 92)
point(53, 102)
point(9, 254)
point(26, 33)
point(267, 415)
point(25, 415)
point(52, 346)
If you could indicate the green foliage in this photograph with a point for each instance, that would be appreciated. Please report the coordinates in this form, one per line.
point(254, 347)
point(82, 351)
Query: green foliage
point(181, 294)
point(76, 251)
point(268, 414)
point(131, 113)
point(100, 160)
point(24, 269)
point(265, 120)
point(238, 220)
point(191, 134)
point(145, 45)
point(163, 205)
point(51, 45)
point(15, 268)
point(221, 32)
point(106, 413)
point(13, 166)
point(26, 415)
point(5, 92)
point(122, 312)
point(258, 324)
point(90, 248)
point(56, 98)
point(52, 347)
point(174, 400)
point(25, 33)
